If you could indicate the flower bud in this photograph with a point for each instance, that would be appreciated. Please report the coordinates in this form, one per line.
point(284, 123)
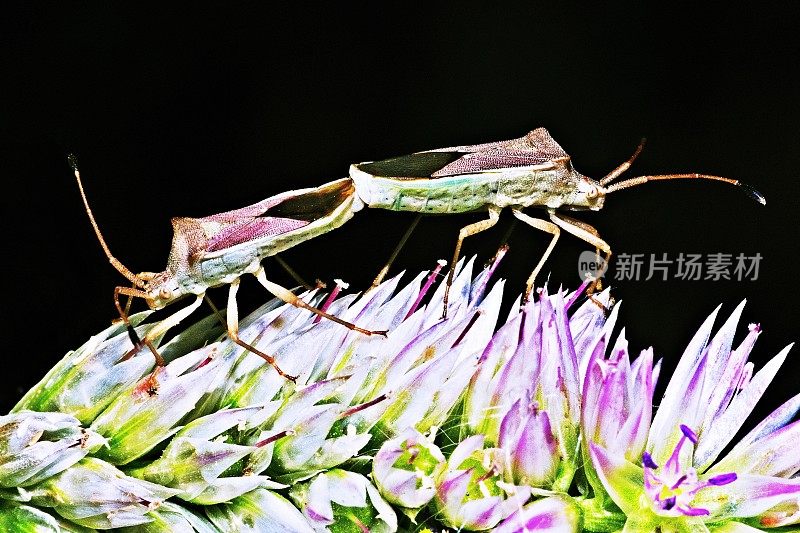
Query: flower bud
point(471, 493)
point(341, 500)
point(35, 446)
point(93, 493)
point(403, 469)
point(194, 462)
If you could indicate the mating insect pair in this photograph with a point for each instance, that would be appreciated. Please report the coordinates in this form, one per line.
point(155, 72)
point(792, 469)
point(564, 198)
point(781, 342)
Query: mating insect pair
point(531, 171)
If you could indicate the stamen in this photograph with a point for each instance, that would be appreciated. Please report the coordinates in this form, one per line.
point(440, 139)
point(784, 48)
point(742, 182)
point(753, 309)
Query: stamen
point(331, 297)
point(466, 329)
point(413, 453)
point(691, 435)
point(501, 252)
point(679, 482)
point(489, 473)
point(273, 438)
point(673, 463)
point(694, 511)
point(647, 461)
point(357, 408)
point(440, 264)
point(723, 479)
point(673, 489)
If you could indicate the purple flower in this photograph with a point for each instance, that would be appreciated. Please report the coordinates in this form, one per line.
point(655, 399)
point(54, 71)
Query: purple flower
point(679, 481)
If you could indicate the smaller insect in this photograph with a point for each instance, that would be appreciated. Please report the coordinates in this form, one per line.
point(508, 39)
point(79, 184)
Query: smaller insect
point(531, 171)
point(217, 250)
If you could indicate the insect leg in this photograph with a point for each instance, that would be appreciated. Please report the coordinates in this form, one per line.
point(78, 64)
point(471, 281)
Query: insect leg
point(123, 315)
point(543, 225)
point(150, 385)
point(382, 274)
point(233, 331)
point(290, 298)
point(467, 231)
point(144, 276)
point(587, 233)
point(292, 272)
point(172, 320)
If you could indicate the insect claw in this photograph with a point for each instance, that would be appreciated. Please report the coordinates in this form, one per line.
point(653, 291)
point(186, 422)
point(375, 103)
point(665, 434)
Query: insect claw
point(370, 332)
point(600, 304)
point(149, 387)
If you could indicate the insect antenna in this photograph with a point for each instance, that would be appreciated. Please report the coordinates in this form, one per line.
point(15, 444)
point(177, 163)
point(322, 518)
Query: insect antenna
point(614, 174)
point(122, 269)
point(633, 182)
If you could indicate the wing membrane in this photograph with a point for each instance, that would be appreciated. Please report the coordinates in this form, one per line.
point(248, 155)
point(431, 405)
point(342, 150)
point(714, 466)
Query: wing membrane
point(536, 148)
point(274, 216)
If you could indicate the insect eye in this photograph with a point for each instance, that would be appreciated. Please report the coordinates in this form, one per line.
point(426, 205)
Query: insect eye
point(592, 192)
point(165, 293)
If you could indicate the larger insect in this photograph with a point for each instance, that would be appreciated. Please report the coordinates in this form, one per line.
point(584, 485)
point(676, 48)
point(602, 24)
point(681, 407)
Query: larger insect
point(531, 171)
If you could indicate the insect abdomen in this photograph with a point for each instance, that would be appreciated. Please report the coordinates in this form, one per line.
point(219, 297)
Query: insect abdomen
point(434, 196)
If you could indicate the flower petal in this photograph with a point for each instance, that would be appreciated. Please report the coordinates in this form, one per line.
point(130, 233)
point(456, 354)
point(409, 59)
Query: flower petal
point(748, 496)
point(623, 480)
point(556, 514)
point(670, 411)
point(258, 511)
point(728, 423)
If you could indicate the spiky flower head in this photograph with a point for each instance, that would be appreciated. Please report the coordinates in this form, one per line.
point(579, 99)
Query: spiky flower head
point(540, 424)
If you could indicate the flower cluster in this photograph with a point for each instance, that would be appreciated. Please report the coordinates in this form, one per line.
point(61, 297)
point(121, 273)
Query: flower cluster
point(536, 421)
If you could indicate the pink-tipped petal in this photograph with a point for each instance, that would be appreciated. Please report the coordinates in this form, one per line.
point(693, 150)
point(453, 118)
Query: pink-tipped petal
point(728, 423)
point(557, 514)
point(670, 410)
point(748, 496)
point(534, 456)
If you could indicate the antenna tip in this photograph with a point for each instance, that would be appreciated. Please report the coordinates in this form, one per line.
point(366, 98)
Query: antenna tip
point(73, 162)
point(752, 193)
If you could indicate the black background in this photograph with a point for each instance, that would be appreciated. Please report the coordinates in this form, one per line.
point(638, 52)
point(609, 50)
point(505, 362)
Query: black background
point(189, 111)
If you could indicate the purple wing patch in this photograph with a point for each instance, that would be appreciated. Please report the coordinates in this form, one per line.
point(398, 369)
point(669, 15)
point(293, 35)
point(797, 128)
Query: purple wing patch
point(248, 212)
point(249, 230)
point(536, 148)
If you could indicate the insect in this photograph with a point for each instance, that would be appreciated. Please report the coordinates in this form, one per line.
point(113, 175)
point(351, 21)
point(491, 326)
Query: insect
point(217, 250)
point(531, 171)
